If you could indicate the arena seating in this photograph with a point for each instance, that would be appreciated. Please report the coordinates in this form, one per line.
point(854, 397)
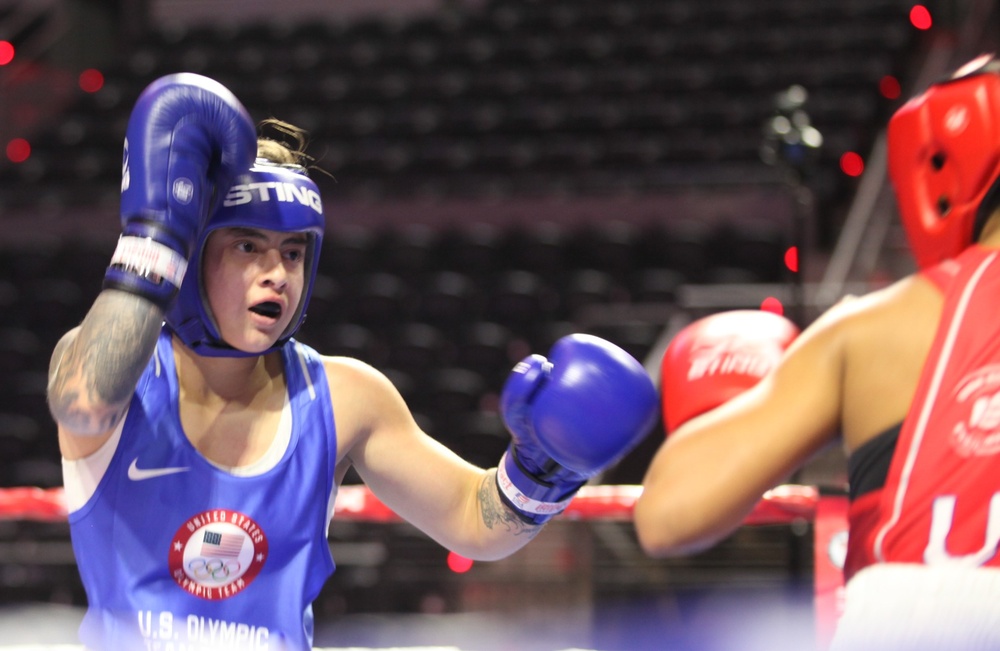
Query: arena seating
point(518, 96)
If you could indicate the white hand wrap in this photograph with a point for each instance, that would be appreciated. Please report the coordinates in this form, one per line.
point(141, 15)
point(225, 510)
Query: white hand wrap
point(149, 259)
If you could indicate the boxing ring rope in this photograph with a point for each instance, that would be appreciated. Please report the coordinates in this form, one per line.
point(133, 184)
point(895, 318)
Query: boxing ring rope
point(783, 505)
point(355, 503)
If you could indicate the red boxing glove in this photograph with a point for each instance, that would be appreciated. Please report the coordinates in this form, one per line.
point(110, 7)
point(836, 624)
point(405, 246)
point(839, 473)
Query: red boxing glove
point(718, 357)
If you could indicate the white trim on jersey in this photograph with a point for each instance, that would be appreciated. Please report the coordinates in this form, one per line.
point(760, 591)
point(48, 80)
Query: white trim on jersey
point(929, 401)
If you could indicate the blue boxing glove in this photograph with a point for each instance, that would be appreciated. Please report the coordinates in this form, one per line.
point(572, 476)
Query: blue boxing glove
point(570, 417)
point(187, 137)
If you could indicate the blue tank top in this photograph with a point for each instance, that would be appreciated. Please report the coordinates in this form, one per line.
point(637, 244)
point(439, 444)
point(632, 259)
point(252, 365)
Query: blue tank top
point(177, 554)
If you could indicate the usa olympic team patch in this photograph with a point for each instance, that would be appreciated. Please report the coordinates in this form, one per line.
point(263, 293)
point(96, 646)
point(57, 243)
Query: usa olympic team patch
point(217, 554)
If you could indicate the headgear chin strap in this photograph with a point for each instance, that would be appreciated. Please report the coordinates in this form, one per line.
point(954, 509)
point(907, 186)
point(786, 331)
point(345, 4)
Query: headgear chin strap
point(269, 196)
point(944, 160)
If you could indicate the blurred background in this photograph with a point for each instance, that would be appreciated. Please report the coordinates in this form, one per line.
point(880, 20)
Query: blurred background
point(497, 173)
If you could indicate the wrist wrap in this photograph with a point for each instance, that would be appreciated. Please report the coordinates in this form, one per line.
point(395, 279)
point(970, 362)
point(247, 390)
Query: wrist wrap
point(535, 501)
point(145, 266)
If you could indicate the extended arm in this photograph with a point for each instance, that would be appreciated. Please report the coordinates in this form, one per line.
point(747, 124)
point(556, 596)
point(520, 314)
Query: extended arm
point(455, 503)
point(711, 471)
point(570, 415)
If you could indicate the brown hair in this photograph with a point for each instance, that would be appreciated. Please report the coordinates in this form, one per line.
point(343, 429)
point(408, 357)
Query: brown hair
point(287, 145)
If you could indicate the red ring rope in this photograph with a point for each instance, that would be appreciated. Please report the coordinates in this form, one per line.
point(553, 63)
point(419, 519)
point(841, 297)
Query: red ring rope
point(781, 505)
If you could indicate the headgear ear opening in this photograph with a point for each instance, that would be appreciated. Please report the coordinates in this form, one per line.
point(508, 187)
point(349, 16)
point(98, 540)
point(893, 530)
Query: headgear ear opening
point(268, 196)
point(944, 160)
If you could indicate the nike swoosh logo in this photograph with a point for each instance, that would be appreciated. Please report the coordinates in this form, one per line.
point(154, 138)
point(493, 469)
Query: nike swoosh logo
point(135, 473)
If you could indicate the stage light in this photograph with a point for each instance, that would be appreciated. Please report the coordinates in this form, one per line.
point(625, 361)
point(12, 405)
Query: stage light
point(773, 305)
point(792, 259)
point(852, 164)
point(459, 564)
point(920, 17)
point(18, 150)
point(6, 52)
point(91, 80)
point(889, 87)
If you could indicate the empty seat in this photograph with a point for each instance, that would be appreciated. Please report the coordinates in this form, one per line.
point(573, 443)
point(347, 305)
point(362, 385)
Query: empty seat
point(729, 275)
point(18, 435)
point(540, 248)
point(610, 247)
point(85, 260)
point(381, 300)
point(22, 265)
point(587, 287)
point(756, 248)
point(453, 392)
point(475, 250)
point(348, 250)
point(520, 300)
point(448, 299)
point(29, 421)
point(489, 349)
point(656, 285)
point(350, 340)
point(416, 348)
point(9, 297)
point(549, 333)
point(481, 438)
point(328, 302)
point(683, 246)
point(43, 472)
point(27, 396)
point(21, 350)
point(635, 337)
point(56, 303)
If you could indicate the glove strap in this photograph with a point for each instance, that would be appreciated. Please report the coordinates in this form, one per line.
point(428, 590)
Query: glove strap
point(534, 501)
point(143, 266)
point(146, 257)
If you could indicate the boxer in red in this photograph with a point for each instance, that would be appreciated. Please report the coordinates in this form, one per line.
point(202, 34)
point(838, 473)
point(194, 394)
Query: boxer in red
point(906, 378)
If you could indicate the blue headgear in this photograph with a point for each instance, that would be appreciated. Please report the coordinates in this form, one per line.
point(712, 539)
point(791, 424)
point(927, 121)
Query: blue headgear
point(269, 196)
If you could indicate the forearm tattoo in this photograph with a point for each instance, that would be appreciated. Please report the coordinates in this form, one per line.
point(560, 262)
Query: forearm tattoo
point(496, 513)
point(101, 366)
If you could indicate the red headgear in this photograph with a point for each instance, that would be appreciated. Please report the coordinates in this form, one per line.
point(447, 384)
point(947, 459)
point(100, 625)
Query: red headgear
point(944, 159)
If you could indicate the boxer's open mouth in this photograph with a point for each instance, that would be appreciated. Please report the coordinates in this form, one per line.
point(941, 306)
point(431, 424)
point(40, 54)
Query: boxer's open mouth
point(268, 309)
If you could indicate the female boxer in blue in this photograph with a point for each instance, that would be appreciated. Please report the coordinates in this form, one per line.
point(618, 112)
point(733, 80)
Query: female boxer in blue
point(203, 445)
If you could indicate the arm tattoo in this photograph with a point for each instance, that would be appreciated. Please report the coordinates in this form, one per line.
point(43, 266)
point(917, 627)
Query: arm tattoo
point(102, 365)
point(125, 333)
point(496, 513)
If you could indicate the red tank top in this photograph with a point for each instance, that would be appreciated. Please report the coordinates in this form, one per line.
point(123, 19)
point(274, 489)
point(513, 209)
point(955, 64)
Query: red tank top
point(941, 500)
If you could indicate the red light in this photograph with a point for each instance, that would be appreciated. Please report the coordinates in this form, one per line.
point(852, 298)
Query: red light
point(920, 17)
point(459, 564)
point(773, 305)
point(889, 87)
point(792, 259)
point(6, 52)
point(91, 80)
point(852, 164)
point(18, 150)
